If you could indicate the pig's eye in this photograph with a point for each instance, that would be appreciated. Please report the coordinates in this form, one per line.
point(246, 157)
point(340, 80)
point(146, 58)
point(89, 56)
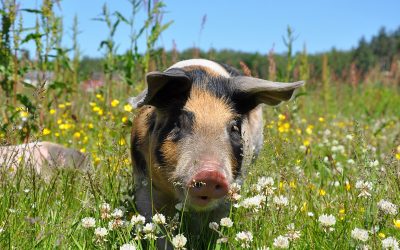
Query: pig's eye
point(235, 128)
point(182, 126)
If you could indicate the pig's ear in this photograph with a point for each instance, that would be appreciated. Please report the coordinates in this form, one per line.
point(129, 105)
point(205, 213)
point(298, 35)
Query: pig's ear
point(163, 89)
point(250, 92)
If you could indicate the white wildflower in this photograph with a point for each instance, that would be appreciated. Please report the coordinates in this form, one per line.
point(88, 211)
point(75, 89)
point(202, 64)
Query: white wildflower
point(327, 220)
point(387, 207)
point(159, 219)
point(149, 228)
point(233, 193)
point(222, 240)
point(281, 201)
point(88, 222)
point(359, 234)
point(254, 203)
point(244, 238)
point(350, 161)
point(281, 242)
point(226, 222)
point(374, 163)
point(390, 243)
point(128, 246)
point(179, 241)
point(365, 188)
point(213, 225)
point(310, 214)
point(265, 185)
point(349, 137)
point(292, 234)
point(114, 224)
point(100, 232)
point(138, 220)
point(117, 213)
point(105, 208)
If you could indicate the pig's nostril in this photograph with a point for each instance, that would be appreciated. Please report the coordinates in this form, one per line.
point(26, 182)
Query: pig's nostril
point(204, 197)
point(217, 186)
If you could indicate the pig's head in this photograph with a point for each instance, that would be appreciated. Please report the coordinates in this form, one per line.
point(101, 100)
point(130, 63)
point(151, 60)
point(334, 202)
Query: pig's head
point(200, 129)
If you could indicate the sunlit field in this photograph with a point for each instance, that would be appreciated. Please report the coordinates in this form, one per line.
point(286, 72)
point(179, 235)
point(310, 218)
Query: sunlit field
point(328, 176)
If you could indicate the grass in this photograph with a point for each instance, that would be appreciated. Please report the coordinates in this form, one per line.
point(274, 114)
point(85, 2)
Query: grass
point(315, 150)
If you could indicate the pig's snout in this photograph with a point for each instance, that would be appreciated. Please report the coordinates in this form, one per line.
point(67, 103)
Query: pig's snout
point(207, 185)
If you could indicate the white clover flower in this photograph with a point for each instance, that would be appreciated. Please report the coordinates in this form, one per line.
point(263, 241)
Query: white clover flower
point(213, 225)
point(254, 203)
point(244, 238)
point(222, 240)
point(159, 219)
point(350, 161)
point(105, 208)
point(234, 192)
point(365, 188)
point(265, 185)
point(390, 243)
point(138, 220)
point(117, 213)
point(263, 248)
point(327, 220)
point(292, 235)
point(281, 201)
point(100, 232)
point(226, 222)
point(310, 214)
point(149, 228)
point(179, 206)
point(374, 163)
point(387, 207)
point(128, 246)
point(88, 222)
point(349, 137)
point(281, 242)
point(179, 241)
point(359, 234)
point(114, 224)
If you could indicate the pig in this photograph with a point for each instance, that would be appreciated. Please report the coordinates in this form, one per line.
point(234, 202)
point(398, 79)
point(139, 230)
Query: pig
point(42, 156)
point(198, 125)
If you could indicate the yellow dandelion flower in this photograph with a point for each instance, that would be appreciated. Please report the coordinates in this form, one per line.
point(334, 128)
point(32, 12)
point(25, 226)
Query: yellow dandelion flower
point(127, 161)
point(342, 211)
point(122, 142)
point(381, 235)
point(90, 125)
point(124, 119)
point(59, 121)
point(92, 104)
point(96, 109)
point(61, 106)
point(281, 184)
point(67, 104)
point(96, 160)
point(100, 112)
point(348, 186)
point(309, 129)
point(321, 119)
point(306, 142)
point(100, 97)
point(83, 150)
point(46, 131)
point(398, 156)
point(52, 111)
point(77, 135)
point(128, 108)
point(281, 117)
point(114, 103)
point(396, 223)
point(23, 114)
point(292, 184)
point(57, 134)
point(304, 207)
point(298, 131)
point(322, 192)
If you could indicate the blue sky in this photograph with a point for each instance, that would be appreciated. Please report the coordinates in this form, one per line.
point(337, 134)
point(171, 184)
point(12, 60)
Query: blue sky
point(251, 26)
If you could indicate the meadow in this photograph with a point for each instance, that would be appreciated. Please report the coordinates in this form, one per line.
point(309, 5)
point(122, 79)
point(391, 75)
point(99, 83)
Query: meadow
point(328, 176)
